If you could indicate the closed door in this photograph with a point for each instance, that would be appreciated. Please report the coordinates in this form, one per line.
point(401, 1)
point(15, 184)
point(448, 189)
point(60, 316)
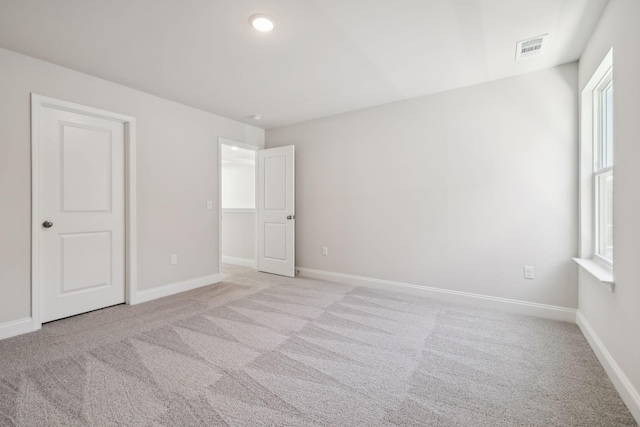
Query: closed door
point(276, 211)
point(82, 212)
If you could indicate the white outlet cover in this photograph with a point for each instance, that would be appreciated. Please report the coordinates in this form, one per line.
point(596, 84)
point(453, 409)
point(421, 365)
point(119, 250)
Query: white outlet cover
point(529, 272)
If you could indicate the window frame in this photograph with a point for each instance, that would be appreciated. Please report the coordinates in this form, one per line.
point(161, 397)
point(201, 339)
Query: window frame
point(589, 152)
point(602, 164)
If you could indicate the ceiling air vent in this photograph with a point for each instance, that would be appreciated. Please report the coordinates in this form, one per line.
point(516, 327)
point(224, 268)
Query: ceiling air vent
point(531, 47)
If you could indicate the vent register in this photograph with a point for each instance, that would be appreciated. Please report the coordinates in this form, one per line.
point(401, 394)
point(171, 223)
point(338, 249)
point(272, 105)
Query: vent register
point(531, 47)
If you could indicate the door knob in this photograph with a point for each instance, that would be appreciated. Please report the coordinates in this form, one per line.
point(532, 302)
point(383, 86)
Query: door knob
point(47, 224)
point(291, 217)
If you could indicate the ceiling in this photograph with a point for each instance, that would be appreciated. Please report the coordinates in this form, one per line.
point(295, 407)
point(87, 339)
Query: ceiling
point(325, 56)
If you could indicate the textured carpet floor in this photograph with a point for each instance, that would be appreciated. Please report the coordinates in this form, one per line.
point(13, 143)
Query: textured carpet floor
point(267, 350)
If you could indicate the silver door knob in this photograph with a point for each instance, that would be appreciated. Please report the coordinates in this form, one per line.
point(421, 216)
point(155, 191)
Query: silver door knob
point(47, 224)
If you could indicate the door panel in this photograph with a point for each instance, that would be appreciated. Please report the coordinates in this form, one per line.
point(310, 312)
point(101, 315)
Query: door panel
point(85, 261)
point(82, 181)
point(275, 241)
point(276, 211)
point(275, 186)
point(86, 169)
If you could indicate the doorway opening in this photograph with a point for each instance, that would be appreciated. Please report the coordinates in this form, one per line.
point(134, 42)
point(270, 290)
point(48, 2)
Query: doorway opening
point(238, 213)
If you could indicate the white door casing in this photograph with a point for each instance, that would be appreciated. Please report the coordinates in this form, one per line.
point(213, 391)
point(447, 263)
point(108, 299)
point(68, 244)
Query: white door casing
point(82, 258)
point(276, 211)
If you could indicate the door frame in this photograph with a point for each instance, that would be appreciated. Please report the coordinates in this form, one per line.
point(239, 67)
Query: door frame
point(221, 142)
point(39, 102)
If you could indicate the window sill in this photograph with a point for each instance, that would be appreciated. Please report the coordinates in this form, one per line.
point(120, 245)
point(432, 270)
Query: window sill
point(601, 272)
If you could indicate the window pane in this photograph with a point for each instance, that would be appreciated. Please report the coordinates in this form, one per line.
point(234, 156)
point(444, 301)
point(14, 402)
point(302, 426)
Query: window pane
point(604, 211)
point(607, 127)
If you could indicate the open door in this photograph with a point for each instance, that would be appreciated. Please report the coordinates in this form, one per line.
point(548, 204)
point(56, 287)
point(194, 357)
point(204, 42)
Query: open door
point(276, 211)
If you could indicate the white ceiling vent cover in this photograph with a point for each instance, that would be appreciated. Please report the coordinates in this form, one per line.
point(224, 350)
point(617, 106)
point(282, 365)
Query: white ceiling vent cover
point(531, 47)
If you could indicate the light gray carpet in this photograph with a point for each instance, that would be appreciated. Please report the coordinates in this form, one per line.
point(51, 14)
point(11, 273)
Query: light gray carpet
point(260, 349)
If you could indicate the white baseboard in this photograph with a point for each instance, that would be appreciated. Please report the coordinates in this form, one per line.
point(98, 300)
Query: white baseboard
point(627, 392)
point(175, 288)
point(245, 262)
point(515, 306)
point(16, 327)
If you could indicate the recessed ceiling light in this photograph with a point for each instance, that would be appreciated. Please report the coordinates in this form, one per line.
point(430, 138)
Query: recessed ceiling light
point(255, 116)
point(261, 22)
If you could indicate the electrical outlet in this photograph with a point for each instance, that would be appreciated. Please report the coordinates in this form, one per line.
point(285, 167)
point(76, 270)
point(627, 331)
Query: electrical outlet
point(174, 259)
point(209, 204)
point(529, 272)
point(325, 251)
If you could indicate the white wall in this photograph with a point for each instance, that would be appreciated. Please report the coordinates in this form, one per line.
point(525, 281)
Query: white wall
point(457, 190)
point(238, 192)
point(239, 235)
point(238, 186)
point(615, 318)
point(177, 174)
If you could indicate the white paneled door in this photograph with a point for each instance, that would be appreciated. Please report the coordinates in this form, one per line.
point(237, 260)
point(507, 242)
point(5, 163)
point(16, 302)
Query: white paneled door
point(82, 212)
point(276, 211)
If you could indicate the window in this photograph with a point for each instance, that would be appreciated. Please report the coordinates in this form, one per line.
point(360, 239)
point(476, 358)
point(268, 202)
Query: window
point(603, 167)
point(596, 175)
